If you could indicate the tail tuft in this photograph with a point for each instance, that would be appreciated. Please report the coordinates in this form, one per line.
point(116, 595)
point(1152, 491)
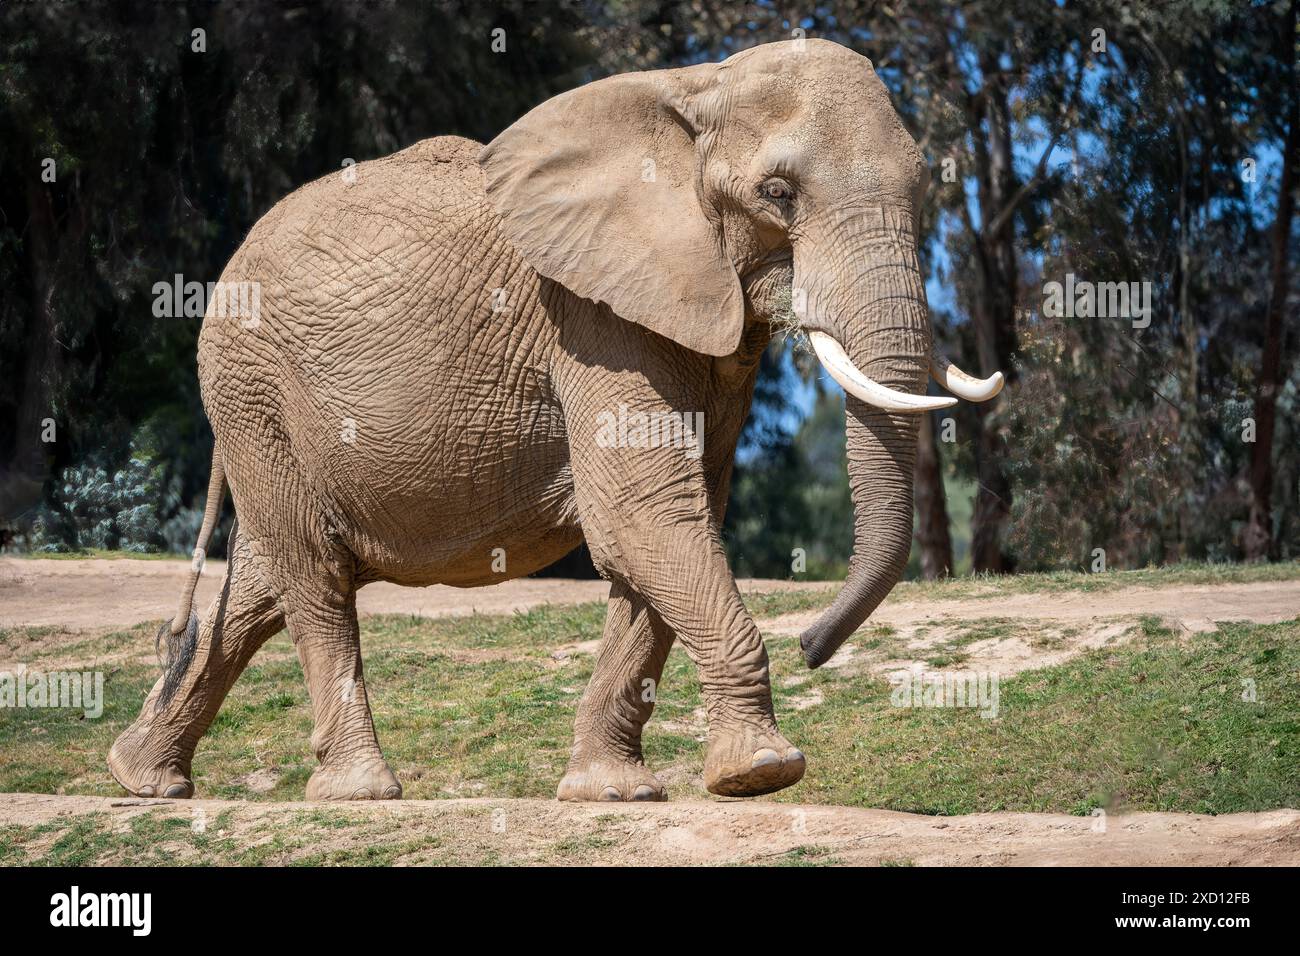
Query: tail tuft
point(183, 638)
point(179, 654)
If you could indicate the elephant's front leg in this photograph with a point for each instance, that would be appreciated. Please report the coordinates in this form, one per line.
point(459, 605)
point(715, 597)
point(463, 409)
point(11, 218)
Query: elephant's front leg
point(646, 515)
point(606, 763)
point(692, 585)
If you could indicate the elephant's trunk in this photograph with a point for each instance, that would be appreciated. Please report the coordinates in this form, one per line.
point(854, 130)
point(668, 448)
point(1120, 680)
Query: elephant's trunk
point(881, 453)
point(873, 303)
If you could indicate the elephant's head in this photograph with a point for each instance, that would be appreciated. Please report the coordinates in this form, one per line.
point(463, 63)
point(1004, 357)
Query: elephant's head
point(675, 196)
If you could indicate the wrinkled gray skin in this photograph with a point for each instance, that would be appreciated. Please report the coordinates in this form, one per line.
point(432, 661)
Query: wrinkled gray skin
point(685, 202)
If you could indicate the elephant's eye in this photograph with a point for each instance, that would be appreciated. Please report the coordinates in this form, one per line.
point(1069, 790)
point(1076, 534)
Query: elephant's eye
point(776, 190)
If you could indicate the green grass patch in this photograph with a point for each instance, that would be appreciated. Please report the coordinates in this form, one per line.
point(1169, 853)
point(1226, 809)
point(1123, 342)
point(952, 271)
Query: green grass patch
point(483, 706)
point(164, 838)
point(810, 855)
point(1157, 725)
point(31, 645)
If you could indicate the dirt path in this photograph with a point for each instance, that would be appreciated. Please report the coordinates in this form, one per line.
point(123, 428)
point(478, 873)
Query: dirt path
point(98, 595)
point(107, 594)
point(1194, 607)
point(1046, 629)
point(1039, 630)
point(545, 831)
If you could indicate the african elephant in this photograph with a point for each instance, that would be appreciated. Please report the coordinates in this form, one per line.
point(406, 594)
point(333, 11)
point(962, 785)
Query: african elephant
point(442, 337)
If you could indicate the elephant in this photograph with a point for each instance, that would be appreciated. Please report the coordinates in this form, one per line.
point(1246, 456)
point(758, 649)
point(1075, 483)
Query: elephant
point(440, 340)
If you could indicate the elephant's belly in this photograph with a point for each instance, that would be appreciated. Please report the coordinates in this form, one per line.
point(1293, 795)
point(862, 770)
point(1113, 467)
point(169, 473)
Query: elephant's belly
point(496, 552)
point(451, 517)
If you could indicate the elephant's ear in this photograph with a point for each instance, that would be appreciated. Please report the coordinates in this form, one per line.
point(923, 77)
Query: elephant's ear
point(599, 190)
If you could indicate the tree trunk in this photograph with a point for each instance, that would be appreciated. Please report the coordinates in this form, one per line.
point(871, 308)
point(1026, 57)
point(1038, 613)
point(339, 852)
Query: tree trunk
point(993, 314)
point(932, 535)
point(1259, 541)
point(23, 475)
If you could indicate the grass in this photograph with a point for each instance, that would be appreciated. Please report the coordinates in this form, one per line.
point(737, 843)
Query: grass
point(1156, 725)
point(154, 838)
point(802, 856)
point(480, 698)
point(33, 644)
point(480, 706)
point(483, 706)
point(148, 839)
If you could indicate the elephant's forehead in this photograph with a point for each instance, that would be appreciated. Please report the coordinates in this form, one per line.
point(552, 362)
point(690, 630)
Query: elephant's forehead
point(849, 138)
point(821, 117)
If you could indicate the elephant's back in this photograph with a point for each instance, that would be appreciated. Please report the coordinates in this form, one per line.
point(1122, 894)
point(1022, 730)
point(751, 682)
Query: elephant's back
point(402, 354)
point(363, 265)
point(438, 175)
point(365, 222)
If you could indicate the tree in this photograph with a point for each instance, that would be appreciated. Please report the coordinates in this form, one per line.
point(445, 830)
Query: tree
point(933, 538)
point(1259, 540)
point(192, 120)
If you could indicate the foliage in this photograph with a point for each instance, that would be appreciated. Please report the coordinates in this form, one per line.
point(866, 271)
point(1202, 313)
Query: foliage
point(1130, 160)
point(164, 160)
point(1127, 164)
point(790, 489)
point(92, 508)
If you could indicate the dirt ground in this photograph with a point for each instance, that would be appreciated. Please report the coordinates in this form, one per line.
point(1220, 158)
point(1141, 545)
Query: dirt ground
point(1076, 622)
point(95, 595)
point(707, 833)
point(98, 593)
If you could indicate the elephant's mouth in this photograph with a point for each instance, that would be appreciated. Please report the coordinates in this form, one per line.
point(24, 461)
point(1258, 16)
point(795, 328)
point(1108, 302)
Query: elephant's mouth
point(768, 287)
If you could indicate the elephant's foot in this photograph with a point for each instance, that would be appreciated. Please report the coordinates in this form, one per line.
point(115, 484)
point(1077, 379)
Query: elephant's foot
point(366, 778)
point(139, 771)
point(745, 762)
point(609, 780)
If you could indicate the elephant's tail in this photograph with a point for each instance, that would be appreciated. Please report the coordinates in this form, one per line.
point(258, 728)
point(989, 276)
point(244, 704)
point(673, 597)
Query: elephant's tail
point(181, 633)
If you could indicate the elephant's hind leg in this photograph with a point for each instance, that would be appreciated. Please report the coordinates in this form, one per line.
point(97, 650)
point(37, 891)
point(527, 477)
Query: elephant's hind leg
point(152, 757)
point(344, 739)
point(318, 594)
point(606, 762)
point(312, 574)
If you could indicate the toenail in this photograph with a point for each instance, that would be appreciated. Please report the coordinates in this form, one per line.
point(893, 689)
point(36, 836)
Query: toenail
point(392, 793)
point(178, 791)
point(609, 793)
point(767, 757)
point(363, 794)
point(794, 754)
point(644, 792)
point(146, 791)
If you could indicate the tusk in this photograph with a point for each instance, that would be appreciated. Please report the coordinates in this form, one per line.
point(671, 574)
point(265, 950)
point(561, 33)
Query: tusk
point(841, 368)
point(960, 384)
